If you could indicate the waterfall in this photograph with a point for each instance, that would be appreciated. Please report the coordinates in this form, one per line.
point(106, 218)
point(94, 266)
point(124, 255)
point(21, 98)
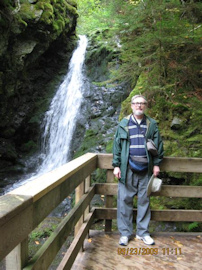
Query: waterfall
point(60, 120)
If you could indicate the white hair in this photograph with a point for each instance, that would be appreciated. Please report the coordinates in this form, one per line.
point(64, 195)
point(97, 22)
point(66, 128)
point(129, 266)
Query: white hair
point(137, 96)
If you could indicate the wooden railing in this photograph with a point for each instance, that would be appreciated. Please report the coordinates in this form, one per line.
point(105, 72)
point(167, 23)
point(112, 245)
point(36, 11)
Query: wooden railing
point(24, 208)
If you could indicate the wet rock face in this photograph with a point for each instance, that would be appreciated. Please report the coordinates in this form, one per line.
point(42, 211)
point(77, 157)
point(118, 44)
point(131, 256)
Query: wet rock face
point(99, 119)
point(37, 40)
point(102, 102)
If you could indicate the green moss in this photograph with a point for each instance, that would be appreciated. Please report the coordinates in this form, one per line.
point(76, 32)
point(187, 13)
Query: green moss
point(109, 146)
point(59, 9)
point(22, 23)
point(40, 5)
point(71, 9)
point(26, 13)
point(91, 139)
point(58, 26)
point(48, 13)
point(72, 3)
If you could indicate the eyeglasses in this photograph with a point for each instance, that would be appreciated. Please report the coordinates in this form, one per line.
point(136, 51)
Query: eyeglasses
point(139, 103)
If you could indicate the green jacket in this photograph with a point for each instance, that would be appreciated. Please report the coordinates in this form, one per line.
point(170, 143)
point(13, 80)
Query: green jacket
point(122, 143)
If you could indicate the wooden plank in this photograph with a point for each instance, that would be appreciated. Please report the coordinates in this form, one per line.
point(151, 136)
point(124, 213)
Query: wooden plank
point(76, 245)
point(105, 213)
point(15, 231)
point(47, 182)
point(78, 194)
point(105, 161)
point(172, 164)
point(158, 215)
point(104, 252)
point(109, 201)
point(87, 186)
point(12, 205)
point(48, 251)
point(106, 188)
point(174, 191)
point(182, 164)
point(18, 256)
point(177, 215)
point(179, 191)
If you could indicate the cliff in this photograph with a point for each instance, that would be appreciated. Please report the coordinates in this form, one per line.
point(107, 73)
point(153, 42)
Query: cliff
point(37, 40)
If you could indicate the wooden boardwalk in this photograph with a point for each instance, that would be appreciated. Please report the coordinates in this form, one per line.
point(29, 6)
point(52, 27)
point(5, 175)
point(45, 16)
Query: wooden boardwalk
point(180, 251)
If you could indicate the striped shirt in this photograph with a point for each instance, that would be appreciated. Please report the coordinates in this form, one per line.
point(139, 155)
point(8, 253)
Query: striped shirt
point(137, 147)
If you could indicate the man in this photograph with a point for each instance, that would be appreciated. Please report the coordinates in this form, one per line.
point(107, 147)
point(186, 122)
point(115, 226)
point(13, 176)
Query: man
point(130, 147)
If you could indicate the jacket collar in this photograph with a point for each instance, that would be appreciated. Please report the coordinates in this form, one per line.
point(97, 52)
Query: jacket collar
point(125, 120)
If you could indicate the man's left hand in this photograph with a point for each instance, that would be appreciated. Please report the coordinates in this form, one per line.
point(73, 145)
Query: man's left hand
point(156, 170)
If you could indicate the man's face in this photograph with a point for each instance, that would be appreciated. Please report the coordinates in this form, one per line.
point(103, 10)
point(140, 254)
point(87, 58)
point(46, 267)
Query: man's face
point(138, 106)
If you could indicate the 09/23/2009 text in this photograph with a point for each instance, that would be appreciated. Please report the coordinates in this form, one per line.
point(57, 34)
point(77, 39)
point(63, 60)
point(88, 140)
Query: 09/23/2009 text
point(149, 251)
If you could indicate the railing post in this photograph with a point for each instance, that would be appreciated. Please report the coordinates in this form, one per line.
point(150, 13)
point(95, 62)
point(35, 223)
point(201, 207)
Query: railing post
point(87, 185)
point(78, 194)
point(18, 257)
point(109, 201)
point(80, 190)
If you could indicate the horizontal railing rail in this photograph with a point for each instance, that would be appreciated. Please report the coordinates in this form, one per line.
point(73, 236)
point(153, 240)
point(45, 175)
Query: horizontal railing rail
point(174, 191)
point(24, 208)
point(169, 164)
point(157, 215)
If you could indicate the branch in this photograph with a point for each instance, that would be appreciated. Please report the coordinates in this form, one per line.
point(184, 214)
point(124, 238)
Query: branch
point(18, 6)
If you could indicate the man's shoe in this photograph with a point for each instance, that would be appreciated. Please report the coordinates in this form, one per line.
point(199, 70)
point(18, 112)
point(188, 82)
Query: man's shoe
point(146, 239)
point(123, 241)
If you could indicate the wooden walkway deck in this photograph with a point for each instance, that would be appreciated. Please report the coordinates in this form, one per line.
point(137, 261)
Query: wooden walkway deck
point(171, 251)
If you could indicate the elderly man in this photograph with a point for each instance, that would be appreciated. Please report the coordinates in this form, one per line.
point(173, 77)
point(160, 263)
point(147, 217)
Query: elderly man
point(133, 166)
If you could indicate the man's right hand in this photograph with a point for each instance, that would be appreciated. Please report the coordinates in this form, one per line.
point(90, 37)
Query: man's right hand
point(117, 172)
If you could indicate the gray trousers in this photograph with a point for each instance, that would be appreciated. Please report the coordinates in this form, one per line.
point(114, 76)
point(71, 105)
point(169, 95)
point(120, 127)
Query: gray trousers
point(136, 184)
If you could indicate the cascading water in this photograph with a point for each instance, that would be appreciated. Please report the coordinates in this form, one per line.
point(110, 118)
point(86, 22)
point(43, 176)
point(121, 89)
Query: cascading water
point(60, 120)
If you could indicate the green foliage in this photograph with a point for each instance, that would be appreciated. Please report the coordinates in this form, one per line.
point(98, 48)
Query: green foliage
point(109, 146)
point(95, 15)
point(189, 227)
point(193, 226)
point(160, 58)
point(99, 176)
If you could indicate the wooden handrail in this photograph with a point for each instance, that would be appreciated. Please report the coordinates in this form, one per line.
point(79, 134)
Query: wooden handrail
point(22, 209)
point(28, 205)
point(169, 164)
